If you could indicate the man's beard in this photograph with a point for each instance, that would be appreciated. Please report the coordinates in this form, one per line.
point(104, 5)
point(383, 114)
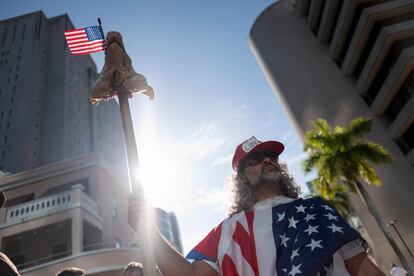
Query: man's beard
point(267, 176)
point(272, 176)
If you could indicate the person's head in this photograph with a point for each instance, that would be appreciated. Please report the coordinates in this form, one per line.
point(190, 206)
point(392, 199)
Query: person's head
point(256, 163)
point(133, 269)
point(71, 271)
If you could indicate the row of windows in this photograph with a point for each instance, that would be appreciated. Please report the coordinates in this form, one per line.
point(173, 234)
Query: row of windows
point(401, 98)
point(13, 90)
point(6, 61)
point(14, 34)
point(2, 113)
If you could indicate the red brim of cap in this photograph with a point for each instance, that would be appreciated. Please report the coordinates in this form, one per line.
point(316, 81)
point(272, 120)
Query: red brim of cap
point(264, 146)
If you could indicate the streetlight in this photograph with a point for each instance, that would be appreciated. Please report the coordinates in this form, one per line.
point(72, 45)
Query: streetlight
point(392, 224)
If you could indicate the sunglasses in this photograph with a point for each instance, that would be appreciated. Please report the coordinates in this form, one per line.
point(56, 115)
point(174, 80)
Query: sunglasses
point(257, 157)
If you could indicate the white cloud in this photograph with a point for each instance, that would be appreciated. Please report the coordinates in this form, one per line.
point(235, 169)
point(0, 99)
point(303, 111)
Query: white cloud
point(215, 198)
point(296, 158)
point(222, 160)
point(204, 141)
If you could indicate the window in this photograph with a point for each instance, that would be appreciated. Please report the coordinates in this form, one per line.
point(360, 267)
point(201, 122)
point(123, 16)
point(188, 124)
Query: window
point(14, 34)
point(406, 141)
point(114, 207)
point(118, 243)
point(24, 30)
point(5, 139)
point(4, 36)
point(399, 101)
point(3, 154)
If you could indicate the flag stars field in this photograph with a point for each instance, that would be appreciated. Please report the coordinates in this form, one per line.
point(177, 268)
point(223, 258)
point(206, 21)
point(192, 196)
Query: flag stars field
point(312, 229)
point(280, 216)
point(314, 244)
point(331, 217)
point(335, 228)
point(309, 217)
point(295, 270)
point(300, 209)
point(284, 240)
point(292, 222)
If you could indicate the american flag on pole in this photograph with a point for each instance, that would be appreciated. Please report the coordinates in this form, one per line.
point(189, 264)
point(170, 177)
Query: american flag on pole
point(86, 40)
point(299, 237)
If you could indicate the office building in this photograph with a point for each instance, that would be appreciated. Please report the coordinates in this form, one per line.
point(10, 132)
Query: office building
point(69, 213)
point(168, 227)
point(45, 112)
point(63, 159)
point(342, 59)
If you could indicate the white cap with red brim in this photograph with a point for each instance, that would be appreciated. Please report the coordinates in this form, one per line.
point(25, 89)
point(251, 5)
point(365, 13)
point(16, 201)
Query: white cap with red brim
point(253, 145)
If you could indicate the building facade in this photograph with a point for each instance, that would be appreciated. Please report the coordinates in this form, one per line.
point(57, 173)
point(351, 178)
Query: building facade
point(45, 112)
point(63, 159)
point(69, 213)
point(342, 59)
point(168, 227)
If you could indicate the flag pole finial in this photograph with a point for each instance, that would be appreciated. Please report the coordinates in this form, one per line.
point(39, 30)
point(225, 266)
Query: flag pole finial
point(100, 25)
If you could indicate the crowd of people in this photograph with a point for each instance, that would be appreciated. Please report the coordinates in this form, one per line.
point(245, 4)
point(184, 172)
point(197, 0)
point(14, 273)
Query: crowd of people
point(270, 230)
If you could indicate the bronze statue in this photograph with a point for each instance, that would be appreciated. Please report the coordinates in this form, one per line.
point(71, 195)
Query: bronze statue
point(118, 75)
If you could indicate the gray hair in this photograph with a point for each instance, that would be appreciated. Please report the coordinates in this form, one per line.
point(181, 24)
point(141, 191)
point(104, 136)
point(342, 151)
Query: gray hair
point(241, 195)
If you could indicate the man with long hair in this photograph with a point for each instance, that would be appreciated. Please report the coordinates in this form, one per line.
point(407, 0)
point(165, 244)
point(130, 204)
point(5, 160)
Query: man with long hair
point(270, 230)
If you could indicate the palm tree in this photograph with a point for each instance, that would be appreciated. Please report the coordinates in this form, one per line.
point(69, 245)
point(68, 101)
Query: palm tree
point(336, 195)
point(341, 156)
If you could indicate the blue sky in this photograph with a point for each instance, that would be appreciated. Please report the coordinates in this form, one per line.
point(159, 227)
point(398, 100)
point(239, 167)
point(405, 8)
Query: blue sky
point(210, 95)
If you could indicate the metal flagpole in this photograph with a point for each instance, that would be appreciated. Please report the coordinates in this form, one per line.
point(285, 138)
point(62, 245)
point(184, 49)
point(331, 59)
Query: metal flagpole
point(144, 225)
point(146, 221)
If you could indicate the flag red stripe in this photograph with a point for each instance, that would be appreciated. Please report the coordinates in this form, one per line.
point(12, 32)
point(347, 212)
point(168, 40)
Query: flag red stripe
point(87, 45)
point(76, 44)
point(79, 36)
point(88, 52)
point(228, 267)
point(79, 43)
point(75, 31)
point(243, 239)
point(250, 219)
point(100, 48)
point(208, 246)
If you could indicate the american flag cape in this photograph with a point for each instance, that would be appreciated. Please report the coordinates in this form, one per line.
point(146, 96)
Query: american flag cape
point(86, 40)
point(295, 238)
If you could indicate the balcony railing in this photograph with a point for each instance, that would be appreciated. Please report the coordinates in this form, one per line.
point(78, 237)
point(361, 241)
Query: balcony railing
point(89, 248)
point(49, 205)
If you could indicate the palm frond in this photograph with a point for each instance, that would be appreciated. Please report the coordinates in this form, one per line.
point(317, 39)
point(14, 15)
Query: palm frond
point(372, 152)
point(360, 126)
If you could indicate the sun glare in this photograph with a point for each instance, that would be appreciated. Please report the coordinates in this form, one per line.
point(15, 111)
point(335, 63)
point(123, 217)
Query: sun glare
point(160, 167)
